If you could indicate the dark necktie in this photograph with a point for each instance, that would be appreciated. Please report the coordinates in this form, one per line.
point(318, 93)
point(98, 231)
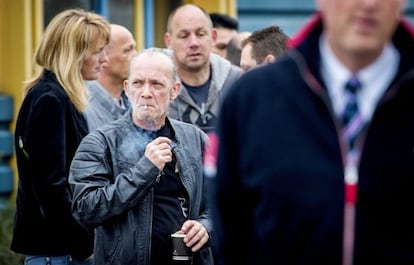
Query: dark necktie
point(352, 127)
point(351, 116)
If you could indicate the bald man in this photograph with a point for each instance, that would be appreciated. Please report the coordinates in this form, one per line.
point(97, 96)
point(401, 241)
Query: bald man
point(107, 101)
point(204, 75)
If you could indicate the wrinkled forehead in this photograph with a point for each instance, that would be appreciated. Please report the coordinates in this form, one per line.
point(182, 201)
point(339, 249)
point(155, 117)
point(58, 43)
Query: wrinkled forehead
point(154, 65)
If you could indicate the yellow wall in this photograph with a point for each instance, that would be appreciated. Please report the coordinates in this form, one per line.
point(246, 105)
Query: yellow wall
point(160, 23)
point(21, 24)
point(220, 6)
point(139, 23)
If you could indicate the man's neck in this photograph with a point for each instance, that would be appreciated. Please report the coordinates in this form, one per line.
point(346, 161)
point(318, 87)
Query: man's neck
point(149, 124)
point(194, 78)
point(114, 87)
point(357, 60)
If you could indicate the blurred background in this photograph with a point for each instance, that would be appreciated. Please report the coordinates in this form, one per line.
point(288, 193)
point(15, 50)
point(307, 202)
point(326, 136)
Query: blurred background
point(22, 23)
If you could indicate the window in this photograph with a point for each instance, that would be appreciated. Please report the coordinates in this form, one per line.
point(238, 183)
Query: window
point(116, 11)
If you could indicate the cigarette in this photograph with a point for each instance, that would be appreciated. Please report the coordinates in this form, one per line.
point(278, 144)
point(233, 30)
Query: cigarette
point(145, 107)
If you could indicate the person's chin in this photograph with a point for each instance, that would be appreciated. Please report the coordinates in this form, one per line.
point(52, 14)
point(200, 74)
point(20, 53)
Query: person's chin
point(144, 115)
point(92, 76)
point(365, 46)
point(195, 65)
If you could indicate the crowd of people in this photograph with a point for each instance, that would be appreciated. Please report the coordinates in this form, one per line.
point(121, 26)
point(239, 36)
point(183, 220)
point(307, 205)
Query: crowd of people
point(258, 147)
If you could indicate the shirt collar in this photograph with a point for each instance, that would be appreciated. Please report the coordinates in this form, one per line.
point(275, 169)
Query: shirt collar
point(375, 78)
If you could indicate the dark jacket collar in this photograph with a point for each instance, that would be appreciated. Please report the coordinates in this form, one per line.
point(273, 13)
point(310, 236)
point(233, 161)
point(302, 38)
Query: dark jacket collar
point(306, 42)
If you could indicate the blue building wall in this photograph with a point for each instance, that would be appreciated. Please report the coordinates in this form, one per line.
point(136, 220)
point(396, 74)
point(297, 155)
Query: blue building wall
point(287, 14)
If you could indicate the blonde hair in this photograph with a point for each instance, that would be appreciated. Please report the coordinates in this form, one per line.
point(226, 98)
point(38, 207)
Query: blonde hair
point(67, 39)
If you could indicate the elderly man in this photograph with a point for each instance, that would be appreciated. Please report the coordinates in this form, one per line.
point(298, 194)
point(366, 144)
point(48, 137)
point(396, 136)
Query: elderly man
point(139, 179)
point(317, 148)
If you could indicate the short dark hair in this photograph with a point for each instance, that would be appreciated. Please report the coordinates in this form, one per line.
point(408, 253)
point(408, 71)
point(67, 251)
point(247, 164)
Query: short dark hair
point(233, 52)
point(224, 21)
point(270, 40)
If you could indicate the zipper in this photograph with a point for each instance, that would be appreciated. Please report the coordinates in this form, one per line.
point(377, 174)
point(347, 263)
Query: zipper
point(21, 146)
point(177, 171)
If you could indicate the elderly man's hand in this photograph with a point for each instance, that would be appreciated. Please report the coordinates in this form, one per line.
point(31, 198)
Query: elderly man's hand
point(159, 151)
point(196, 235)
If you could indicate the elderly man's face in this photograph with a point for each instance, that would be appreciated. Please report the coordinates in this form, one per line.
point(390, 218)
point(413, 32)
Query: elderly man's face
point(150, 87)
point(359, 28)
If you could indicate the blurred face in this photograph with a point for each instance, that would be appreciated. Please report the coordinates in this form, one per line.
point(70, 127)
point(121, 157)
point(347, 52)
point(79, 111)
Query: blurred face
point(359, 28)
point(150, 88)
point(223, 38)
point(191, 38)
point(246, 60)
point(92, 63)
point(120, 50)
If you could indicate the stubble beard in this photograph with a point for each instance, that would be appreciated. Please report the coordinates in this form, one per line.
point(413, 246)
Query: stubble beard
point(194, 67)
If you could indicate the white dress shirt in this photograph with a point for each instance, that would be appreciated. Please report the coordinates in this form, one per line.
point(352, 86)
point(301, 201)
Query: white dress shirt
point(375, 78)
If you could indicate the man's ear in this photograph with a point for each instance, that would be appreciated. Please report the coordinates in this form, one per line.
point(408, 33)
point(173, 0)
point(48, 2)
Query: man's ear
point(269, 58)
point(125, 84)
point(167, 40)
point(214, 35)
point(175, 91)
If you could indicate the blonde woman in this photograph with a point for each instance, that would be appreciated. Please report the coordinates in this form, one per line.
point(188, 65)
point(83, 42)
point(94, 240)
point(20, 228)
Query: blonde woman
point(49, 128)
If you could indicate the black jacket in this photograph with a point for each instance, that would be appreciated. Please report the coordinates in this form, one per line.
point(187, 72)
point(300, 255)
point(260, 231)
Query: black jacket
point(281, 160)
point(48, 131)
point(113, 185)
